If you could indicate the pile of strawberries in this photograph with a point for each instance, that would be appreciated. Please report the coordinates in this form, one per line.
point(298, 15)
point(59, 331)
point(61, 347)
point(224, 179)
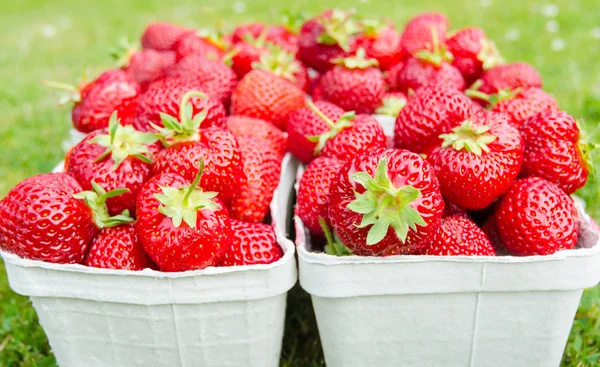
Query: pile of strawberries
point(186, 137)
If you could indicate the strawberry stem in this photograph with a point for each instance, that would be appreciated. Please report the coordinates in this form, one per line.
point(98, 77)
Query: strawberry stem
point(319, 113)
point(186, 198)
point(96, 201)
point(334, 246)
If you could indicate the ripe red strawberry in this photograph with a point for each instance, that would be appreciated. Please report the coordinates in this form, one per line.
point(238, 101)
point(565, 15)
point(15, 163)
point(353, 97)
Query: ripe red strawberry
point(252, 243)
point(118, 248)
point(317, 93)
point(98, 99)
point(247, 54)
point(284, 64)
point(554, 150)
point(117, 157)
point(181, 226)
point(391, 76)
point(354, 83)
point(382, 43)
point(146, 65)
point(313, 192)
point(165, 95)
point(472, 53)
point(201, 43)
point(186, 143)
point(418, 73)
point(428, 113)
point(508, 77)
point(387, 202)
point(478, 161)
point(264, 95)
point(278, 35)
point(328, 36)
point(536, 217)
point(248, 127)
point(262, 169)
point(452, 210)
point(459, 236)
point(213, 76)
point(391, 104)
point(46, 218)
point(417, 35)
point(162, 36)
point(358, 135)
point(244, 31)
point(520, 105)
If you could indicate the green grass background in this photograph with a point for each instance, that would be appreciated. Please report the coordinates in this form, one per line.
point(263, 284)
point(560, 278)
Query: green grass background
point(60, 39)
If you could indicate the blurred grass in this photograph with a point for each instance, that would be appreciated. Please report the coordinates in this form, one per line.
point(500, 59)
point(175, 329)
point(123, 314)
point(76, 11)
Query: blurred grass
point(60, 39)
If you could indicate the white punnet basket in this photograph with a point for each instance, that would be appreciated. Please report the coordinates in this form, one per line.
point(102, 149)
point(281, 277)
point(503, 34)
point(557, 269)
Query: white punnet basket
point(447, 311)
point(213, 317)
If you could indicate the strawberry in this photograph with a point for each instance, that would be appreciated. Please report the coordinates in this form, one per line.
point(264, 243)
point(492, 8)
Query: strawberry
point(146, 65)
point(459, 236)
point(264, 95)
point(536, 217)
point(391, 76)
point(284, 64)
point(48, 217)
point(354, 83)
point(328, 36)
point(262, 169)
point(162, 36)
point(419, 31)
point(246, 55)
point(317, 93)
point(248, 127)
point(453, 210)
point(252, 243)
point(181, 226)
point(213, 76)
point(313, 192)
point(118, 248)
point(428, 113)
point(508, 77)
point(418, 73)
point(478, 161)
point(387, 202)
point(117, 157)
point(472, 53)
point(244, 31)
point(554, 150)
point(381, 42)
point(98, 99)
point(164, 96)
point(277, 35)
point(519, 104)
point(391, 104)
point(186, 143)
point(202, 43)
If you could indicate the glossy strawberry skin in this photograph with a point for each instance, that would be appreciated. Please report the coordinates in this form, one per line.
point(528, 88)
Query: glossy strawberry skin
point(418, 73)
point(165, 95)
point(261, 94)
point(417, 33)
point(525, 105)
point(365, 135)
point(223, 170)
point(148, 65)
point(465, 46)
point(40, 220)
point(536, 217)
point(428, 113)
point(404, 168)
point(262, 169)
point(112, 90)
point(215, 77)
point(359, 90)
point(131, 174)
point(162, 36)
point(247, 127)
point(247, 54)
point(193, 44)
point(510, 76)
point(384, 46)
point(391, 76)
point(304, 123)
point(552, 151)
point(118, 248)
point(313, 192)
point(252, 243)
point(180, 248)
point(459, 236)
point(475, 181)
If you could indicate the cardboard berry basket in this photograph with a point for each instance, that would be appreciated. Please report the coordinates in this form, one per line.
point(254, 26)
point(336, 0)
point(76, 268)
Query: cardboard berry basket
point(447, 311)
point(230, 316)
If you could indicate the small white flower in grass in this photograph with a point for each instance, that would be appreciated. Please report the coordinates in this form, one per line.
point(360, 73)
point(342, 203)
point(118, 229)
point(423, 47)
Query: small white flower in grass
point(48, 31)
point(558, 44)
point(552, 26)
point(513, 34)
point(486, 3)
point(595, 32)
point(550, 10)
point(239, 7)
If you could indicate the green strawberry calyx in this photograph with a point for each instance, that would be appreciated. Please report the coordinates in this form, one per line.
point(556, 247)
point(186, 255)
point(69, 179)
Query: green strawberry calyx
point(472, 138)
point(439, 53)
point(122, 142)
point(334, 245)
point(213, 37)
point(338, 28)
point(123, 51)
point(492, 99)
point(279, 62)
point(335, 128)
point(71, 92)
point(187, 128)
point(372, 27)
point(382, 205)
point(357, 61)
point(182, 204)
point(259, 41)
point(489, 54)
point(96, 198)
point(292, 21)
point(391, 106)
point(588, 145)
